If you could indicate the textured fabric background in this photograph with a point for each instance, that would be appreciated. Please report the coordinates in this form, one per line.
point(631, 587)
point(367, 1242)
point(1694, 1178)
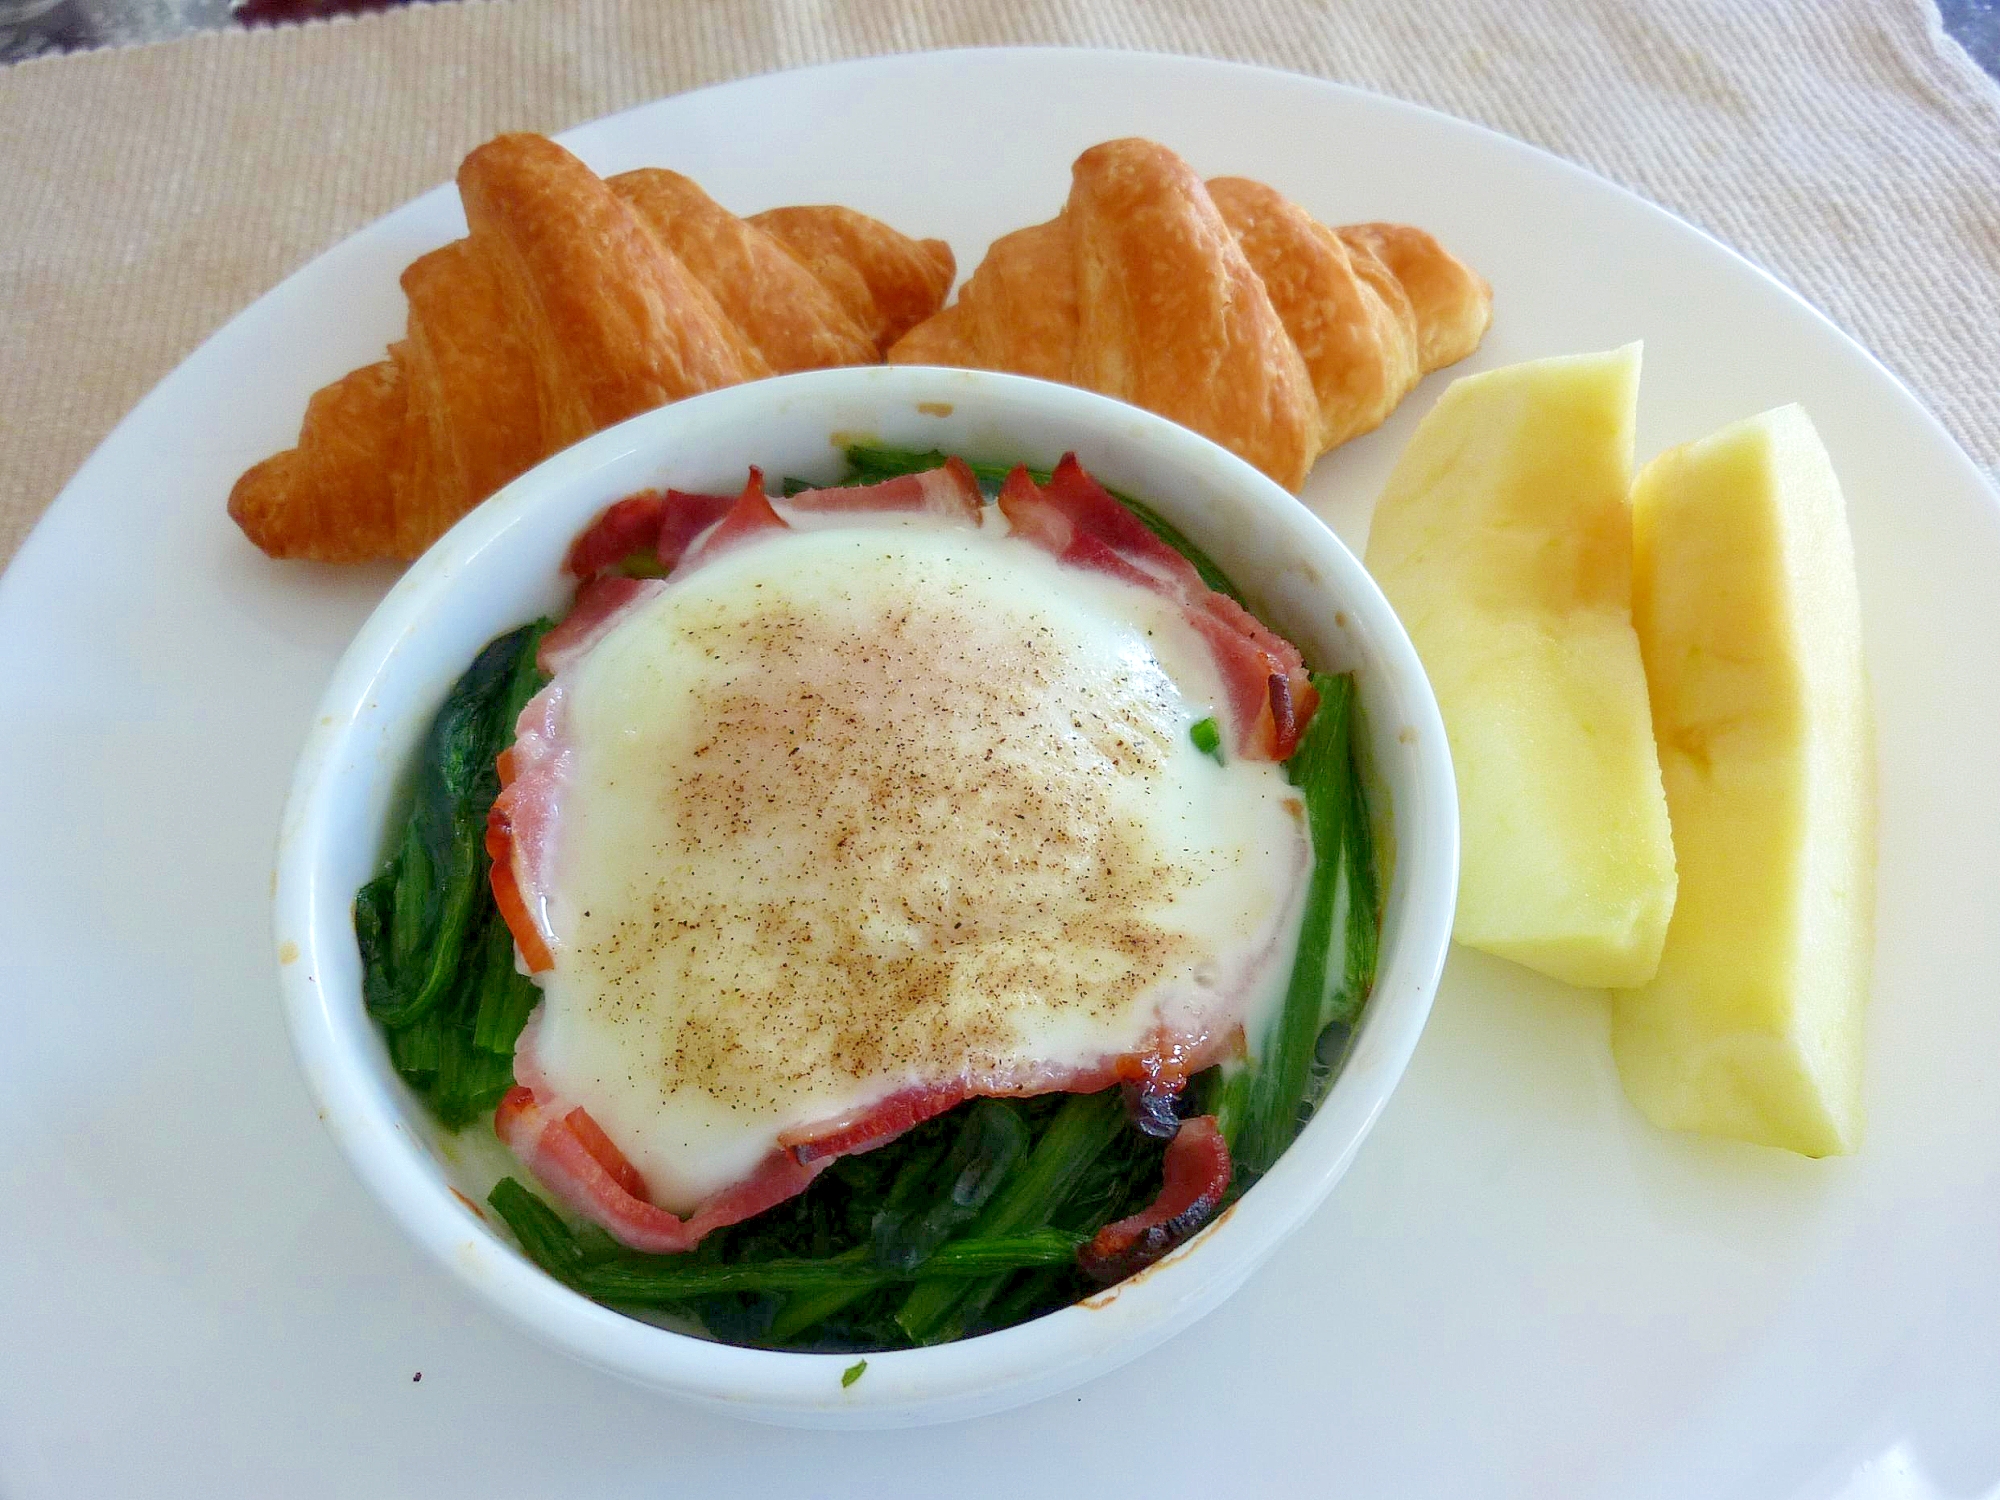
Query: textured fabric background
point(146, 195)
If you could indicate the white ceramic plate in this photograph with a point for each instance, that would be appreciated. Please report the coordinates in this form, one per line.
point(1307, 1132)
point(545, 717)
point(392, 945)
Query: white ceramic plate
point(1520, 1289)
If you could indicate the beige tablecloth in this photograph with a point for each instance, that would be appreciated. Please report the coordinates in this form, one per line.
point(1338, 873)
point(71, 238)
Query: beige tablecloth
point(146, 195)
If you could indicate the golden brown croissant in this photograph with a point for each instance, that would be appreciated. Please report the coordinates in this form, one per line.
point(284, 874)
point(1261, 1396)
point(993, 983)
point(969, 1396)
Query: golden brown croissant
point(571, 304)
point(1222, 305)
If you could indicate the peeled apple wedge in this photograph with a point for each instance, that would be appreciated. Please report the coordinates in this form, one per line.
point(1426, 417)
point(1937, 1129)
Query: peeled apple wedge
point(1504, 541)
point(1745, 600)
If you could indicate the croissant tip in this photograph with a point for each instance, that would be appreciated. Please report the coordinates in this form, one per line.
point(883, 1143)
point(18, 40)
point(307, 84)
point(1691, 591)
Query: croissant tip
point(252, 505)
point(509, 153)
point(1129, 145)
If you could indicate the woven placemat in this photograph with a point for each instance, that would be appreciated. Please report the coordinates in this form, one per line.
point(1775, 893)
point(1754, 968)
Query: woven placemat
point(1847, 145)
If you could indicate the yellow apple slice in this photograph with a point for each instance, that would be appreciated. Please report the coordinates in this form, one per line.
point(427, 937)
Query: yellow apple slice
point(1745, 600)
point(1504, 540)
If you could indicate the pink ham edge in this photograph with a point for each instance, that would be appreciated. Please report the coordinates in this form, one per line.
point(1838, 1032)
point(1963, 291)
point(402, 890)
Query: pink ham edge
point(749, 516)
point(1095, 510)
point(520, 826)
point(1271, 697)
point(687, 517)
point(540, 1135)
point(584, 1169)
point(951, 493)
point(667, 526)
point(1162, 1068)
point(630, 527)
point(554, 1141)
point(600, 604)
point(875, 1126)
point(652, 526)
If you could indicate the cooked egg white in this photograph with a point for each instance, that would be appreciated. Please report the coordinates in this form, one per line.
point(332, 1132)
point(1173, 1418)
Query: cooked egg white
point(869, 806)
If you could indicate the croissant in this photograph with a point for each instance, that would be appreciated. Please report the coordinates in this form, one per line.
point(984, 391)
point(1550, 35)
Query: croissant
point(1223, 306)
point(572, 303)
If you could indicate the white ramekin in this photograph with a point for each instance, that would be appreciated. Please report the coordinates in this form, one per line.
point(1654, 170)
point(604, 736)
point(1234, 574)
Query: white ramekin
point(499, 567)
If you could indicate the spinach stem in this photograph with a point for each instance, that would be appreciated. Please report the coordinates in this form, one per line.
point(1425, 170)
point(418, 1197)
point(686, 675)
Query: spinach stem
point(634, 1280)
point(1278, 1089)
point(1081, 1130)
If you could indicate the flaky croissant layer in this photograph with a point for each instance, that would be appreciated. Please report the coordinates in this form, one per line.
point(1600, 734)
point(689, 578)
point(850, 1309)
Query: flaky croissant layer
point(1222, 305)
point(572, 303)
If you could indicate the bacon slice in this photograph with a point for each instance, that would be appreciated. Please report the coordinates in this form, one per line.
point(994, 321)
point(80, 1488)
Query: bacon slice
point(685, 517)
point(1094, 510)
point(650, 528)
point(951, 493)
point(1157, 1073)
point(574, 1159)
point(628, 529)
point(599, 604)
point(571, 1155)
point(507, 896)
point(876, 1126)
point(750, 514)
point(521, 823)
point(667, 526)
point(658, 527)
point(1196, 1178)
point(590, 1135)
point(1271, 697)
